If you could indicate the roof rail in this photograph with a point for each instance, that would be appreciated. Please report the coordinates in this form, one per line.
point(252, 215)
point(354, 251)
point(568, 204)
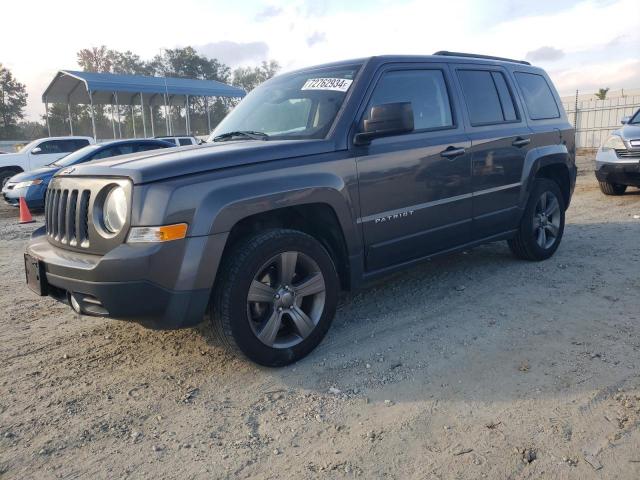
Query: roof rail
point(473, 55)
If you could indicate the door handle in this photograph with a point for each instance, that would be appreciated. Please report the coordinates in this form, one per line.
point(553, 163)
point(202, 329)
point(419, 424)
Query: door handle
point(452, 152)
point(521, 142)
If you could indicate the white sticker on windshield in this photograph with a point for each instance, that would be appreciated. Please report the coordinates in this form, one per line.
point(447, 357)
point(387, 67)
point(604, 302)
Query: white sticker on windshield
point(334, 84)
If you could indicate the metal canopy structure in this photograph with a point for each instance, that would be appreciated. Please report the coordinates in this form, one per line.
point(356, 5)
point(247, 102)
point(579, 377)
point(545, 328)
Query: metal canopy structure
point(89, 88)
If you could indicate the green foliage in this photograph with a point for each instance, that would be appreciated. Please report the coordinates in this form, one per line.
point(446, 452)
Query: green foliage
point(13, 99)
point(249, 78)
point(602, 93)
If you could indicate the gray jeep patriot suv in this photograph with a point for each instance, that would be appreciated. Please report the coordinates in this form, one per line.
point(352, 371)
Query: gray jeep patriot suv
point(319, 180)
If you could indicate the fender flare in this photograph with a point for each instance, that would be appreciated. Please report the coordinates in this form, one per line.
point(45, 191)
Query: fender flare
point(224, 207)
point(539, 158)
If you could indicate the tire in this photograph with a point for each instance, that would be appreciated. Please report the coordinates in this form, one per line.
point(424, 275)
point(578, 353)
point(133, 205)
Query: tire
point(612, 188)
point(6, 174)
point(254, 314)
point(529, 243)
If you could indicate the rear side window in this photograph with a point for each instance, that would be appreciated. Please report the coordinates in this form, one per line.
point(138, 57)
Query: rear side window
point(487, 96)
point(185, 141)
point(75, 144)
point(537, 96)
point(143, 147)
point(107, 152)
point(425, 89)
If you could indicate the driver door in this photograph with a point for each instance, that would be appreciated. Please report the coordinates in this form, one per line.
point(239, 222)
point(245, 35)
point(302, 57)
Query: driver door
point(415, 188)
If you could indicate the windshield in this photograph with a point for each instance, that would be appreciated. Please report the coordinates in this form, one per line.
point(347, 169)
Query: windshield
point(296, 106)
point(75, 157)
point(635, 119)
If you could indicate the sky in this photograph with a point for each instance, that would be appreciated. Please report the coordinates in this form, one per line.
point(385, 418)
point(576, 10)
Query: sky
point(583, 44)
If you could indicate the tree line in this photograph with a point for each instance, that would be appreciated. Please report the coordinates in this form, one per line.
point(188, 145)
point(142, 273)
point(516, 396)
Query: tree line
point(179, 62)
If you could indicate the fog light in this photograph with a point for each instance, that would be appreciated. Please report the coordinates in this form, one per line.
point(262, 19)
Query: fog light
point(74, 304)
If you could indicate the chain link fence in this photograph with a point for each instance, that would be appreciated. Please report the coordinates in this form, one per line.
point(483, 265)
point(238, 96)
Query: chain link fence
point(594, 120)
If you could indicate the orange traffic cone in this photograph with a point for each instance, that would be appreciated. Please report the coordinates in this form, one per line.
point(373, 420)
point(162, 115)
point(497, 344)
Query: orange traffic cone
point(25, 214)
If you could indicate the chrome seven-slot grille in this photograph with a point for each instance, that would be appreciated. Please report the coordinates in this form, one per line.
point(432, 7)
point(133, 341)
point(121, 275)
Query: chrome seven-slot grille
point(67, 216)
point(628, 153)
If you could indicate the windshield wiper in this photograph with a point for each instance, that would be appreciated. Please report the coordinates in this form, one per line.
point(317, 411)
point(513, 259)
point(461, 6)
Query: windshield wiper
point(241, 133)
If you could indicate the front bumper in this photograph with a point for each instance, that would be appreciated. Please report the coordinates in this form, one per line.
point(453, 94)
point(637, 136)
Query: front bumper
point(164, 285)
point(33, 195)
point(611, 169)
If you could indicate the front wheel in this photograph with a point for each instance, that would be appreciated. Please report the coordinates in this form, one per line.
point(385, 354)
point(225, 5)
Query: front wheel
point(542, 223)
point(609, 188)
point(276, 297)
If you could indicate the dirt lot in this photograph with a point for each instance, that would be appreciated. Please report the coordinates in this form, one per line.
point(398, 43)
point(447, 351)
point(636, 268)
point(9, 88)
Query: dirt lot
point(472, 366)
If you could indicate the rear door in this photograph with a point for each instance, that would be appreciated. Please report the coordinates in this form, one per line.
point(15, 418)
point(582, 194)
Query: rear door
point(500, 140)
point(415, 188)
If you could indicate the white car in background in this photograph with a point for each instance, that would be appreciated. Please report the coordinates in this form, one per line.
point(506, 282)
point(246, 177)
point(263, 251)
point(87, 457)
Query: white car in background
point(179, 140)
point(39, 153)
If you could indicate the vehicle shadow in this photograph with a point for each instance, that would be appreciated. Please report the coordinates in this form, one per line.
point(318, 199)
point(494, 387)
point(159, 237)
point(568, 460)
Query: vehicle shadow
point(486, 325)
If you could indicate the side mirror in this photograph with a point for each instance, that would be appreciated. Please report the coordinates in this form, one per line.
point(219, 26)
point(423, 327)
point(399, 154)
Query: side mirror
point(36, 151)
point(384, 120)
point(625, 120)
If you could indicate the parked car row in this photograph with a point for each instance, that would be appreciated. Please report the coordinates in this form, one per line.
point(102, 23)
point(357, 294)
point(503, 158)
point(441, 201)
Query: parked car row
point(32, 184)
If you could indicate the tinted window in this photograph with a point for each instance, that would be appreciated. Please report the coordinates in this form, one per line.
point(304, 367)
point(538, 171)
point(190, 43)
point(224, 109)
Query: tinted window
point(537, 95)
point(185, 141)
point(76, 144)
point(487, 97)
point(506, 100)
point(107, 152)
point(143, 147)
point(52, 146)
point(425, 89)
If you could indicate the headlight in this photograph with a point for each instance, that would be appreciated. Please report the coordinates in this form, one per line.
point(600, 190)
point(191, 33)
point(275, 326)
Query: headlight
point(614, 142)
point(114, 211)
point(28, 183)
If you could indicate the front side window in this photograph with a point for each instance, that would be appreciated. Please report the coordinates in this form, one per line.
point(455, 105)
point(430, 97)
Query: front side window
point(51, 146)
point(300, 105)
point(185, 141)
point(487, 96)
point(426, 90)
point(537, 96)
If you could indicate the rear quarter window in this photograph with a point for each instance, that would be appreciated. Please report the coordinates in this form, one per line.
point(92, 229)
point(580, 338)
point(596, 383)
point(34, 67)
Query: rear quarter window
point(538, 96)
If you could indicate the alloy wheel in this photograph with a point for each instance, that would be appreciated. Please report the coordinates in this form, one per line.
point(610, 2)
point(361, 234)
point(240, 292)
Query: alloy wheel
point(546, 220)
point(286, 299)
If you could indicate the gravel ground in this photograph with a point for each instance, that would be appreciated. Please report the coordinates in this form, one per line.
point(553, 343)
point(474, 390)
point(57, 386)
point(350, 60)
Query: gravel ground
point(472, 366)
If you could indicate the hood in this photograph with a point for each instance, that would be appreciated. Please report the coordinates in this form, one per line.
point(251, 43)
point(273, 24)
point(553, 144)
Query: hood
point(11, 159)
point(628, 132)
point(45, 173)
point(171, 162)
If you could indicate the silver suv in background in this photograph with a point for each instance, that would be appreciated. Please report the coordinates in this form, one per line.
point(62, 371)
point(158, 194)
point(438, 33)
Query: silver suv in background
point(180, 141)
point(618, 160)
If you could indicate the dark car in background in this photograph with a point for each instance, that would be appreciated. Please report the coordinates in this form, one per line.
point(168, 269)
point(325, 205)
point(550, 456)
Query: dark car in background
point(321, 179)
point(618, 159)
point(33, 185)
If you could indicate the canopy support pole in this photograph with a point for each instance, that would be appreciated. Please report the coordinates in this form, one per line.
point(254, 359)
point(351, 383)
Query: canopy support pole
point(144, 123)
point(187, 119)
point(206, 107)
point(46, 115)
point(118, 113)
point(93, 119)
point(133, 121)
point(113, 121)
point(170, 118)
point(70, 119)
point(166, 115)
point(153, 128)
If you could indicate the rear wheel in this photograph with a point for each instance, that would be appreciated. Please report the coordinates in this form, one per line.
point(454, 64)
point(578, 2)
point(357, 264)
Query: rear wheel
point(276, 297)
point(609, 188)
point(542, 223)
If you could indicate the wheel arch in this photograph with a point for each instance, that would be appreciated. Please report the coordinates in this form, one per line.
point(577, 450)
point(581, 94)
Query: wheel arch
point(553, 162)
